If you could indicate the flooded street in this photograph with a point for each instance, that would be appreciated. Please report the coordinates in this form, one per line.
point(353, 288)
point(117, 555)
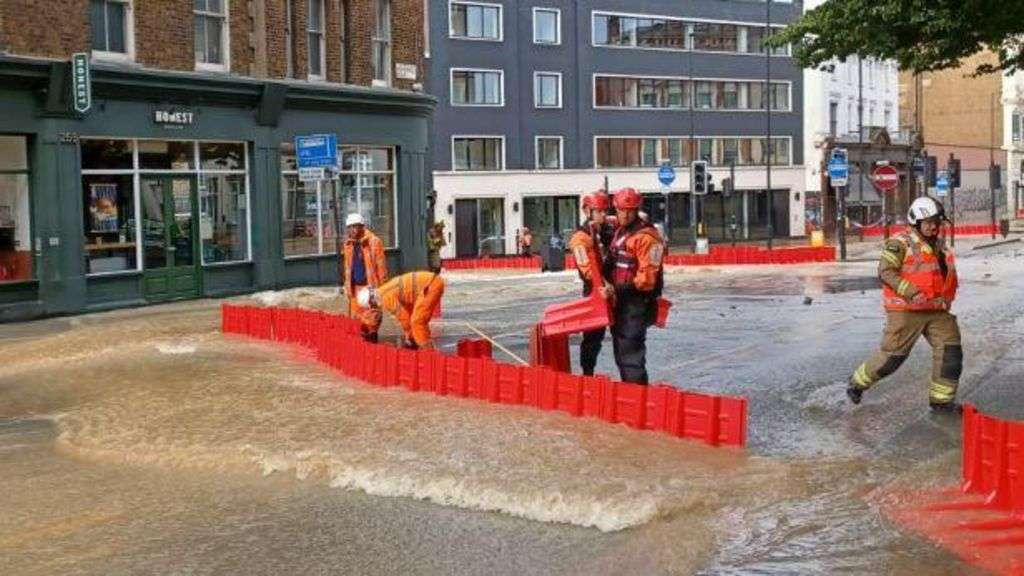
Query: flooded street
point(145, 441)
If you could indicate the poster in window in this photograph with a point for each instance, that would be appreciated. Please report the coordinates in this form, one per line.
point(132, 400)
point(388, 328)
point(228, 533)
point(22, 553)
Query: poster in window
point(103, 207)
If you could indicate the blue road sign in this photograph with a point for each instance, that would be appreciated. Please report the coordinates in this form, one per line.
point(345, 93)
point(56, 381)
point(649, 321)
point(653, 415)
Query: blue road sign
point(666, 175)
point(918, 165)
point(838, 167)
point(942, 184)
point(317, 151)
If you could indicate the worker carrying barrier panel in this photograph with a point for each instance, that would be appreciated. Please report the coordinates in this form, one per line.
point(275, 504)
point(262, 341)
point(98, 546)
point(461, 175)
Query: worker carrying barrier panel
point(411, 298)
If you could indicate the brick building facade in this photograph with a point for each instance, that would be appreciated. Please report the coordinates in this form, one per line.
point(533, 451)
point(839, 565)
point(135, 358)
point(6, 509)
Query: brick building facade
point(177, 178)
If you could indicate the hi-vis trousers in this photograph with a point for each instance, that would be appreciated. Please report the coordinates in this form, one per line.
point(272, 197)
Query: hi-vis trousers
point(902, 329)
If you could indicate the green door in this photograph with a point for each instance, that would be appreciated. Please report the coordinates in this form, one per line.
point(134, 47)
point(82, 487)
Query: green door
point(171, 268)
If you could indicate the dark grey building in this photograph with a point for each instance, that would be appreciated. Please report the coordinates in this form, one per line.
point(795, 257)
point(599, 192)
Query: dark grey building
point(541, 100)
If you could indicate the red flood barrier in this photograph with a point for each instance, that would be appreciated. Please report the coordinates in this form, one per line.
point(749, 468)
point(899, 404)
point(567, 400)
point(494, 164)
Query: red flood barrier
point(470, 348)
point(548, 385)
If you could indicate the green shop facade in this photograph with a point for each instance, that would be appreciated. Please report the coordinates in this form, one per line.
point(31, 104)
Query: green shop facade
point(176, 185)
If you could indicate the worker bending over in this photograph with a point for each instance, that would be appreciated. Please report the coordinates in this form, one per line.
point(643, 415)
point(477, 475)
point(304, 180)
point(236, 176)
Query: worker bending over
point(919, 285)
point(365, 264)
point(411, 298)
point(637, 275)
point(589, 245)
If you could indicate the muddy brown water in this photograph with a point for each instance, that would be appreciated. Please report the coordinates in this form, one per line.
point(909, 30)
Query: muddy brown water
point(147, 442)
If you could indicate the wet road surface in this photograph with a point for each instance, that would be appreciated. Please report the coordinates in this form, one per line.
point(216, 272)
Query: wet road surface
point(144, 441)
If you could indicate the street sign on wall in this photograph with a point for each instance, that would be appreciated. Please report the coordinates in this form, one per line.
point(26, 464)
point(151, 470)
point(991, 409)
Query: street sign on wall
point(886, 178)
point(81, 82)
point(316, 151)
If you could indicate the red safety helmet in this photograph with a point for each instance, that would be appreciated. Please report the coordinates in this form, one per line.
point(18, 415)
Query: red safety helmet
point(596, 200)
point(628, 199)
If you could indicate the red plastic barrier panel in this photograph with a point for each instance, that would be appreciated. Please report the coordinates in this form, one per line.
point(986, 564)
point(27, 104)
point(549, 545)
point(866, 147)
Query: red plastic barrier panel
point(588, 313)
point(569, 394)
point(659, 399)
point(390, 366)
point(732, 421)
point(408, 369)
point(628, 405)
point(482, 379)
point(510, 384)
point(594, 392)
point(474, 348)
point(533, 385)
point(455, 375)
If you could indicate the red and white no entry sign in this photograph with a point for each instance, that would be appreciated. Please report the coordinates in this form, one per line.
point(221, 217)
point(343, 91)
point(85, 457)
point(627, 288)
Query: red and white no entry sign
point(886, 178)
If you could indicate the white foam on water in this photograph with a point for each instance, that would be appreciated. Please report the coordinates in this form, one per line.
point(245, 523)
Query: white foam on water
point(175, 348)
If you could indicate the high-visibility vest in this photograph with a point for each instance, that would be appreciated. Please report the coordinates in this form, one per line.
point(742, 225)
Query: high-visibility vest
point(921, 268)
point(626, 260)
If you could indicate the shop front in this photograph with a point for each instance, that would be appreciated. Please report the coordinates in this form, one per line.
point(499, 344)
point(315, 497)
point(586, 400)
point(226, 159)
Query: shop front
point(178, 186)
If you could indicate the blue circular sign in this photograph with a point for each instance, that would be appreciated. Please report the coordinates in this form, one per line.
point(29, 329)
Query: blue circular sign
point(666, 175)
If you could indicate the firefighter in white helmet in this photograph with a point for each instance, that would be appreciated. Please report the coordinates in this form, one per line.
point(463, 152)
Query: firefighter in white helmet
point(919, 284)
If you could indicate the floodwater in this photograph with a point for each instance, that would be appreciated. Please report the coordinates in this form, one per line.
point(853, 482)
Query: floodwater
point(145, 441)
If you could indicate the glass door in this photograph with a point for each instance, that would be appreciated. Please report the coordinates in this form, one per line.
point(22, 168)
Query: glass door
point(169, 252)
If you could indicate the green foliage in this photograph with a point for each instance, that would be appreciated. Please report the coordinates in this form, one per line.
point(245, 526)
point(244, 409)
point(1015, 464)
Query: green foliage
point(920, 35)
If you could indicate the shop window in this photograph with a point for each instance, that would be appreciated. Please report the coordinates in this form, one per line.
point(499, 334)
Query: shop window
point(111, 24)
point(15, 211)
point(223, 208)
point(222, 156)
point(110, 224)
point(366, 184)
point(106, 155)
point(166, 155)
point(211, 33)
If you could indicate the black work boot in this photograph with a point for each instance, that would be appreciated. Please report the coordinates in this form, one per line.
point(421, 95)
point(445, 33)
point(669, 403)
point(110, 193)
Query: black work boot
point(853, 393)
point(945, 407)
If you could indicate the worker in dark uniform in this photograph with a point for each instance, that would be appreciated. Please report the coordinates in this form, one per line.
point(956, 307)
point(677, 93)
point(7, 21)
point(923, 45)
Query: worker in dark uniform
point(589, 246)
point(919, 284)
point(636, 272)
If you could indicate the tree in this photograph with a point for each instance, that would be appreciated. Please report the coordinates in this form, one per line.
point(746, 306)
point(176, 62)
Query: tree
point(920, 35)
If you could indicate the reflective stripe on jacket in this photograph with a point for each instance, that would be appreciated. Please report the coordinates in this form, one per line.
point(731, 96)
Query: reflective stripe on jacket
point(636, 253)
point(920, 269)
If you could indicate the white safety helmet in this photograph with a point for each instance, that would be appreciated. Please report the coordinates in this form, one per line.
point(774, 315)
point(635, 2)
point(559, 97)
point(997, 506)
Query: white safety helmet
point(924, 208)
point(354, 219)
point(365, 297)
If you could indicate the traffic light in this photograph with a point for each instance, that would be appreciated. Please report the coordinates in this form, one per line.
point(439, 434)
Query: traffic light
point(931, 170)
point(700, 177)
point(954, 172)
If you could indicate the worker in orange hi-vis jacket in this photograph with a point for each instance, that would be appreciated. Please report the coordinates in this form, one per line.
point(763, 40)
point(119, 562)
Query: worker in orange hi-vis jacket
point(365, 263)
point(589, 246)
point(635, 263)
point(411, 298)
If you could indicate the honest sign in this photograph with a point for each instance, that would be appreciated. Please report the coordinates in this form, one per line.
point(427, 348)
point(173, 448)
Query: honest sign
point(886, 178)
point(81, 83)
point(174, 117)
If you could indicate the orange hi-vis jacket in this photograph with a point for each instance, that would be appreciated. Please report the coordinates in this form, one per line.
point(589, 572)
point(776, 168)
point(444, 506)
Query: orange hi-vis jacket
point(920, 269)
point(636, 253)
point(373, 258)
point(411, 298)
point(589, 255)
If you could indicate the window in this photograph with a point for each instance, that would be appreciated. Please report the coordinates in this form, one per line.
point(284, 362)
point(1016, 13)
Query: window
point(342, 48)
point(315, 39)
point(1015, 120)
point(366, 185)
point(674, 93)
point(223, 202)
point(478, 153)
point(382, 44)
point(833, 118)
point(111, 24)
point(616, 152)
point(671, 34)
point(549, 152)
point(475, 21)
point(547, 89)
point(477, 88)
point(211, 33)
point(16, 262)
point(110, 171)
point(888, 119)
point(547, 26)
point(289, 38)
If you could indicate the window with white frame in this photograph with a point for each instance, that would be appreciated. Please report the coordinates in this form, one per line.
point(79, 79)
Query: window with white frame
point(651, 152)
point(475, 21)
point(365, 185)
point(315, 39)
point(547, 26)
point(112, 28)
point(211, 33)
point(111, 170)
point(549, 153)
point(478, 153)
point(382, 44)
point(477, 87)
point(547, 89)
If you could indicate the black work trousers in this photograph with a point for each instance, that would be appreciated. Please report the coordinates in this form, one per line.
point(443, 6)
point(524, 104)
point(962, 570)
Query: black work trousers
point(590, 348)
point(629, 335)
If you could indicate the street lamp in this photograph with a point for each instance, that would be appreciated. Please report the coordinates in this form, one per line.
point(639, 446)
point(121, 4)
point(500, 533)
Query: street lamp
point(768, 107)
